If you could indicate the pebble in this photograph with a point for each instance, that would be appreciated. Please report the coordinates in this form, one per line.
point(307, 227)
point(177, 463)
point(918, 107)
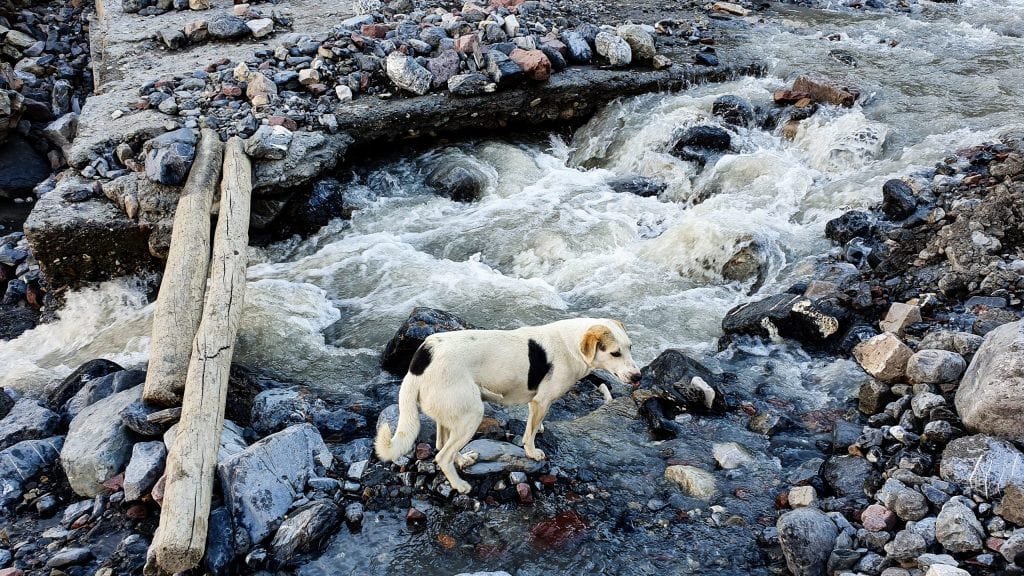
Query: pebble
point(69, 557)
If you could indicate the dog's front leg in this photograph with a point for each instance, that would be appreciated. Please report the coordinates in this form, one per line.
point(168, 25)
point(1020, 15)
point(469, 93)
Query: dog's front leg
point(538, 410)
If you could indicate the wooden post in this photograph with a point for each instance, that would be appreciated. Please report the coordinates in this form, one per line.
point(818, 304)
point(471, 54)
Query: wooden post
point(179, 306)
point(181, 538)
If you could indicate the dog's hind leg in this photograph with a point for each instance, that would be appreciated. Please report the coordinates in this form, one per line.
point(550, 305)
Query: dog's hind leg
point(442, 436)
point(459, 435)
point(534, 422)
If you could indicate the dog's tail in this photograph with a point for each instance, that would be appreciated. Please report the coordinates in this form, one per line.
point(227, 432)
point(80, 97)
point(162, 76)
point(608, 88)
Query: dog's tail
point(390, 448)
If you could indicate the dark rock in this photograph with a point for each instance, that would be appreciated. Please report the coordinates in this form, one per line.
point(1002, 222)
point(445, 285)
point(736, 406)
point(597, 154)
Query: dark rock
point(638, 185)
point(136, 418)
point(338, 425)
point(468, 84)
point(20, 463)
point(1011, 507)
point(898, 200)
point(733, 110)
point(6, 403)
point(710, 137)
point(675, 383)
point(853, 224)
point(579, 51)
point(503, 70)
point(220, 538)
point(873, 396)
point(792, 315)
point(99, 388)
point(458, 178)
point(421, 323)
point(706, 59)
point(304, 531)
point(16, 321)
point(308, 212)
point(21, 167)
point(169, 156)
point(807, 537)
point(69, 557)
point(848, 475)
point(269, 142)
point(226, 26)
point(28, 420)
point(310, 155)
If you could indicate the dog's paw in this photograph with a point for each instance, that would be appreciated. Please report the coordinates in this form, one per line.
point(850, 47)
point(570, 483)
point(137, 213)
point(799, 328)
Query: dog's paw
point(467, 459)
point(535, 454)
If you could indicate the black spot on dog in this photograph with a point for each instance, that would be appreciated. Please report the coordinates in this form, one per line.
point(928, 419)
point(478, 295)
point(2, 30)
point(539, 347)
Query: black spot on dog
point(420, 360)
point(539, 365)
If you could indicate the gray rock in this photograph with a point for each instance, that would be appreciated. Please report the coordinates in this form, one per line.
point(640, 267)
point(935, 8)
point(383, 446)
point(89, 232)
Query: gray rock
point(97, 389)
point(847, 475)
point(278, 408)
point(305, 530)
point(269, 142)
point(641, 44)
point(132, 6)
point(5, 557)
point(905, 546)
point(935, 367)
point(309, 155)
point(220, 540)
point(169, 157)
point(963, 343)
point(907, 503)
point(21, 462)
point(136, 418)
point(807, 536)
point(261, 482)
point(957, 529)
point(469, 84)
point(498, 457)
point(98, 444)
point(76, 511)
point(926, 561)
point(69, 557)
point(923, 403)
point(231, 440)
point(62, 132)
point(390, 415)
point(407, 74)
point(985, 464)
point(579, 49)
point(27, 420)
point(144, 468)
point(172, 38)
point(227, 26)
point(168, 106)
point(614, 48)
point(1013, 548)
point(925, 528)
point(990, 399)
point(354, 513)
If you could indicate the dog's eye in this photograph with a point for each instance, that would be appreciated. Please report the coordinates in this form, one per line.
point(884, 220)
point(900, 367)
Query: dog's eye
point(616, 353)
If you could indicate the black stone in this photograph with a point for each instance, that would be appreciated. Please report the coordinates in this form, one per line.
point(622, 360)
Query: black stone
point(665, 391)
point(898, 199)
point(227, 26)
point(705, 59)
point(309, 211)
point(6, 403)
point(15, 321)
point(638, 185)
point(733, 110)
point(423, 322)
point(70, 386)
point(539, 365)
point(457, 178)
point(503, 70)
point(849, 475)
point(710, 137)
point(853, 224)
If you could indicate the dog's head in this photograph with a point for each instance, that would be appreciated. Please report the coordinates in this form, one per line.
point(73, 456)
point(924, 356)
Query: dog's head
point(606, 346)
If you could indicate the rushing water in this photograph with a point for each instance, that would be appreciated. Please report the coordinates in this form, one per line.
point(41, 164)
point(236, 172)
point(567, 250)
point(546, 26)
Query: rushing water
point(549, 239)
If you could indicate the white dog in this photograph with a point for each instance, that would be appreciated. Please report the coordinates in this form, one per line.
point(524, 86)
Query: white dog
point(453, 372)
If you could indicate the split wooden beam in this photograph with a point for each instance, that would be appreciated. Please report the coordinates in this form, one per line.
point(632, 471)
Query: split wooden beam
point(180, 540)
point(179, 305)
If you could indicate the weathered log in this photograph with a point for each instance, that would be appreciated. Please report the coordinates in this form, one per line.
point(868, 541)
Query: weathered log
point(181, 539)
point(179, 306)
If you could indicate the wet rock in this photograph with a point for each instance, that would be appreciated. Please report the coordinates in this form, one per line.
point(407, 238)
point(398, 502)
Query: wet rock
point(923, 403)
point(98, 444)
point(69, 557)
point(807, 536)
point(905, 546)
point(27, 420)
point(21, 167)
point(136, 418)
point(70, 386)
point(20, 463)
point(498, 457)
point(898, 199)
point(957, 529)
point(899, 317)
point(822, 90)
point(225, 26)
point(791, 315)
point(354, 513)
point(422, 322)
point(614, 48)
point(1012, 505)
point(731, 455)
point(308, 212)
point(6, 403)
point(169, 157)
point(15, 322)
point(696, 482)
point(638, 185)
point(261, 482)
point(847, 475)
point(278, 408)
point(407, 74)
point(990, 399)
point(558, 531)
point(710, 137)
point(672, 384)
point(907, 503)
point(853, 224)
point(269, 142)
point(144, 468)
point(641, 44)
point(935, 367)
point(884, 357)
point(873, 396)
point(309, 155)
point(736, 111)
point(458, 178)
point(304, 530)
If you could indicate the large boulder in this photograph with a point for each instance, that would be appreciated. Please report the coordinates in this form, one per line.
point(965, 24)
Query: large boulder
point(309, 155)
point(985, 464)
point(21, 462)
point(98, 444)
point(261, 482)
point(421, 323)
point(990, 399)
point(807, 536)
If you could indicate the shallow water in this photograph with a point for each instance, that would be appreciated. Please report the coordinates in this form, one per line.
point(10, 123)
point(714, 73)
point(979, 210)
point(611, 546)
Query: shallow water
point(549, 239)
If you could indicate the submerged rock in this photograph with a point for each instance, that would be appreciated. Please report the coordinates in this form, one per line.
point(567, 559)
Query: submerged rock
point(696, 482)
point(733, 110)
point(458, 178)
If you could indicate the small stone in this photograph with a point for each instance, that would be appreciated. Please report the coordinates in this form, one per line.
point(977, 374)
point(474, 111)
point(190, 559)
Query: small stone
point(344, 93)
point(261, 90)
point(696, 482)
point(1011, 507)
point(407, 74)
point(907, 503)
point(169, 157)
point(469, 84)
point(899, 317)
point(877, 518)
point(261, 27)
point(309, 76)
point(534, 64)
point(731, 455)
point(906, 546)
point(354, 513)
point(803, 496)
point(69, 557)
point(615, 49)
point(884, 356)
point(661, 62)
point(172, 38)
point(414, 516)
point(524, 493)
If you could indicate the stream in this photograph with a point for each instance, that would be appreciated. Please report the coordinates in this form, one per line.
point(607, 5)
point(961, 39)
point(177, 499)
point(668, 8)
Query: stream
point(550, 239)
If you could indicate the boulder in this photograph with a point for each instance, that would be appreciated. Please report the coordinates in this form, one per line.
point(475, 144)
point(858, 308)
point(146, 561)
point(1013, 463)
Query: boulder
point(985, 464)
point(407, 74)
point(66, 389)
point(990, 399)
point(98, 444)
point(494, 457)
point(696, 482)
point(99, 388)
point(935, 367)
point(6, 403)
point(308, 211)
point(28, 420)
point(957, 529)
point(791, 315)
point(20, 463)
point(736, 111)
point(144, 469)
point(261, 482)
point(422, 322)
point(305, 530)
point(641, 44)
point(884, 357)
point(614, 48)
point(309, 155)
point(807, 537)
point(231, 440)
point(169, 157)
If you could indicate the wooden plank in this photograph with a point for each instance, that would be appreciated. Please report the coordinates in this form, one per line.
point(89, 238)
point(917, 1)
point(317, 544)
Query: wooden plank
point(179, 305)
point(181, 538)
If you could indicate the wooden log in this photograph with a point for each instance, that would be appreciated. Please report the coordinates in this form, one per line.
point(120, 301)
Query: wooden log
point(179, 305)
point(181, 538)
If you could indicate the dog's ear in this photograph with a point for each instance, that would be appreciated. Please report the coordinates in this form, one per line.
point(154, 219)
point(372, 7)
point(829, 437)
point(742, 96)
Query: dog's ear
point(621, 325)
point(595, 336)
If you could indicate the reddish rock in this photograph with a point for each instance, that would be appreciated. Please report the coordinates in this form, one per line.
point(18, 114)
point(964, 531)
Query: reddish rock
point(524, 493)
point(826, 91)
point(11, 572)
point(424, 451)
point(231, 91)
point(284, 121)
point(414, 516)
point(782, 500)
point(510, 4)
point(491, 428)
point(114, 483)
point(533, 62)
point(158, 491)
point(317, 89)
point(877, 518)
point(786, 97)
point(81, 521)
point(136, 512)
point(467, 43)
point(558, 531)
point(374, 30)
point(994, 544)
point(34, 295)
point(548, 480)
point(448, 542)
